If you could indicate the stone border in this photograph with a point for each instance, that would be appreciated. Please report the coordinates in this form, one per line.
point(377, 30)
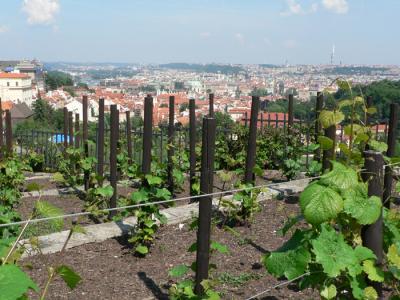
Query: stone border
point(53, 242)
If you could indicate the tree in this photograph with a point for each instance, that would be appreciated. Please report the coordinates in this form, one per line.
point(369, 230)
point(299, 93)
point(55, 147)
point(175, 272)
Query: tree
point(42, 111)
point(56, 79)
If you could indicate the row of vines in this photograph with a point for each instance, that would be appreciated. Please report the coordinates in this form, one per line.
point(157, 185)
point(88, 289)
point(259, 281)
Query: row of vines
point(326, 254)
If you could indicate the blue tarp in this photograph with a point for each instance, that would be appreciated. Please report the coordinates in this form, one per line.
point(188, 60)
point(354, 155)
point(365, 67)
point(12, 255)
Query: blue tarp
point(59, 138)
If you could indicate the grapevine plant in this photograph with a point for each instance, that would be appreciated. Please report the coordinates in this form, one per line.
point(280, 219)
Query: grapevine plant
point(14, 282)
point(328, 254)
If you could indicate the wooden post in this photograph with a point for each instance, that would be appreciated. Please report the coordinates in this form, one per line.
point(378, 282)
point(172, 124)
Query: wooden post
point(251, 146)
point(129, 135)
point(391, 141)
point(192, 144)
point(100, 141)
point(9, 141)
point(170, 154)
point(318, 108)
point(329, 154)
point(71, 129)
point(206, 186)
point(372, 235)
point(290, 113)
point(113, 156)
point(211, 105)
point(77, 130)
point(85, 137)
point(65, 129)
point(147, 134)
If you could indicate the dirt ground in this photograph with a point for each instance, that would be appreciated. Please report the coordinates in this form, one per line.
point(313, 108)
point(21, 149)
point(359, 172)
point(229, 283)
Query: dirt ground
point(110, 270)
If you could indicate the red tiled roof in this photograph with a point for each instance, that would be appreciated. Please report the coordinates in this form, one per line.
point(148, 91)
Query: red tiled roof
point(13, 76)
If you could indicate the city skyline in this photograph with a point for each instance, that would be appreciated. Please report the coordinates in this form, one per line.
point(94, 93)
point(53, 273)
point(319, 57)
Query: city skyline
point(237, 32)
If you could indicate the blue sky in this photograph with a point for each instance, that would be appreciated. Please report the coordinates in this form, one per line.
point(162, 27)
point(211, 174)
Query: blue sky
point(203, 31)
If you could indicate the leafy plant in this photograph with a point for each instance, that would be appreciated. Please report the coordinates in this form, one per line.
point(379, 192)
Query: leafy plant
point(147, 216)
point(240, 210)
point(328, 255)
point(184, 289)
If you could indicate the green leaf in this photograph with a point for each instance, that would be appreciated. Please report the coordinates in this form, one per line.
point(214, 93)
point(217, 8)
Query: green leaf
point(330, 118)
point(371, 110)
point(332, 252)
point(178, 271)
point(393, 255)
point(341, 177)
point(153, 180)
point(219, 247)
point(325, 142)
point(329, 292)
point(163, 194)
point(370, 293)
point(69, 276)
point(14, 282)
point(139, 197)
point(291, 263)
point(378, 146)
point(357, 204)
point(374, 273)
point(106, 191)
point(46, 210)
point(141, 249)
point(193, 247)
point(320, 204)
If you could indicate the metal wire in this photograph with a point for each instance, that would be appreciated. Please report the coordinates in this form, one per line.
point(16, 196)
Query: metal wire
point(161, 202)
point(152, 203)
point(278, 285)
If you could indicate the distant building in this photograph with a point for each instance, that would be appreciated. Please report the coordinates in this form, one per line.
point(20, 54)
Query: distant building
point(32, 68)
point(16, 87)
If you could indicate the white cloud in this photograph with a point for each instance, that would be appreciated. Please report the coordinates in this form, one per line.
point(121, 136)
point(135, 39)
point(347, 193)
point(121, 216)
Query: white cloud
point(3, 29)
point(337, 6)
point(295, 8)
point(41, 11)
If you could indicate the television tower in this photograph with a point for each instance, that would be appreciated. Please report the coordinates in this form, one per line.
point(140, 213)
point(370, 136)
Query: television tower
point(332, 54)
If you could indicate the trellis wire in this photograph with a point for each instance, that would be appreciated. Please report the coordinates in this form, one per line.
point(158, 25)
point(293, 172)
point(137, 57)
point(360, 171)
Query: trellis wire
point(152, 203)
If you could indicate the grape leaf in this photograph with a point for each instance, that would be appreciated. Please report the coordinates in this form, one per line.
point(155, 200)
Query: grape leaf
point(320, 204)
point(374, 273)
point(332, 252)
point(178, 271)
point(46, 210)
point(153, 180)
point(357, 204)
point(14, 282)
point(291, 263)
point(393, 255)
point(341, 177)
point(370, 293)
point(219, 247)
point(329, 292)
point(325, 142)
point(142, 249)
point(69, 276)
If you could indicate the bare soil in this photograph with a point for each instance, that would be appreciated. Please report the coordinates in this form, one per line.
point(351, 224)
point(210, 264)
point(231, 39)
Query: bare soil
point(110, 270)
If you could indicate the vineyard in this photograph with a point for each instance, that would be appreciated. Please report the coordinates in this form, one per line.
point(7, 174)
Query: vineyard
point(261, 209)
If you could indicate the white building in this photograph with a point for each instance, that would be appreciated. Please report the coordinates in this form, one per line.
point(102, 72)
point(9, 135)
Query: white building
point(16, 87)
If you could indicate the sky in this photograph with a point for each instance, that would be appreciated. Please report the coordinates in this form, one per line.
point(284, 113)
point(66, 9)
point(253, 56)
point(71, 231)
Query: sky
point(201, 31)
